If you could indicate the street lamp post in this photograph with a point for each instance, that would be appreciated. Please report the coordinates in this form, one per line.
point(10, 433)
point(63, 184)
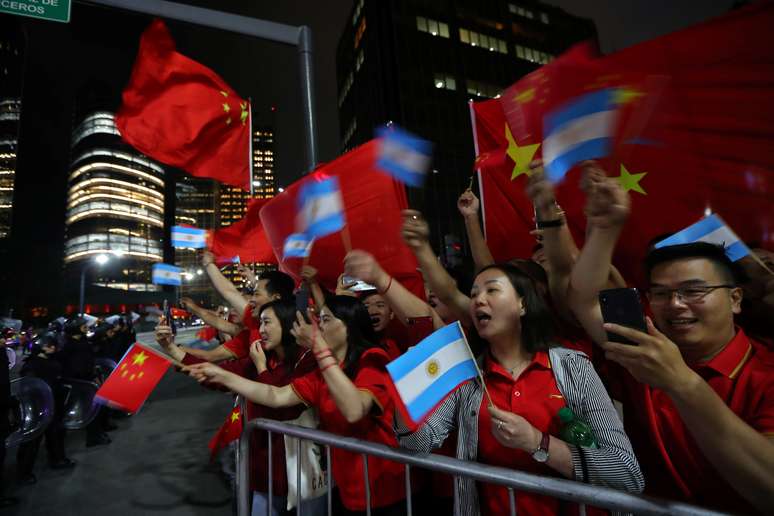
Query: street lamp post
point(100, 259)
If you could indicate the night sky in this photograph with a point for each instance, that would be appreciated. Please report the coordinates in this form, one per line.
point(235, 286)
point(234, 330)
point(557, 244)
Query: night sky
point(99, 45)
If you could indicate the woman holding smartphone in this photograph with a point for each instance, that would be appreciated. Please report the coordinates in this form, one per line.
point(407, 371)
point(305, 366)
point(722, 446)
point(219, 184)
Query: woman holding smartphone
point(529, 380)
point(277, 360)
point(350, 391)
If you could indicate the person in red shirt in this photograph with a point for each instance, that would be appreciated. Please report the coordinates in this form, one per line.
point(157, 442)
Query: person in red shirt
point(351, 392)
point(269, 286)
point(529, 379)
point(698, 394)
point(275, 359)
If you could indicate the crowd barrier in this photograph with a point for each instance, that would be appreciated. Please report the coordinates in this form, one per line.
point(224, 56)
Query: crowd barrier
point(513, 480)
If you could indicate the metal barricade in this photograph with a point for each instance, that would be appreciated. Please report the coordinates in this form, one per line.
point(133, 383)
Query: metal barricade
point(513, 480)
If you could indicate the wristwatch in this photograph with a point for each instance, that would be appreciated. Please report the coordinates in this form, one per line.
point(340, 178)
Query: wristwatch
point(541, 453)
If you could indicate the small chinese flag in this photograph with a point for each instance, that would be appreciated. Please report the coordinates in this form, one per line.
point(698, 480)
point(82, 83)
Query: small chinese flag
point(229, 431)
point(135, 377)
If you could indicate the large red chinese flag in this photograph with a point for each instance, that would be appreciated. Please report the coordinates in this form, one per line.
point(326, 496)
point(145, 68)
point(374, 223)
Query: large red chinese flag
point(135, 377)
point(372, 202)
point(701, 141)
point(244, 238)
point(181, 113)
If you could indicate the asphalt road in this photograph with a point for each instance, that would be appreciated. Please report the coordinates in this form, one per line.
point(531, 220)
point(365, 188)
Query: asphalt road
point(158, 462)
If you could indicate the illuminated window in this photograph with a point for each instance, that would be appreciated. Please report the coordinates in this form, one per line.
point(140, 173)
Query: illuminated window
point(532, 55)
point(476, 39)
point(482, 89)
point(432, 27)
point(359, 61)
point(520, 11)
point(444, 81)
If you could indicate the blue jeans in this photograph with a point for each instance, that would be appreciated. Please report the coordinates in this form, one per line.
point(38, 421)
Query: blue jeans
point(313, 507)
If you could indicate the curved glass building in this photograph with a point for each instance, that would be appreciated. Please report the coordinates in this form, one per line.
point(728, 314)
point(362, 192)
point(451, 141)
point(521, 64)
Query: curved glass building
point(115, 204)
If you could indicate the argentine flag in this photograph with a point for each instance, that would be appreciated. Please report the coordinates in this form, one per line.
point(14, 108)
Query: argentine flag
point(428, 372)
point(189, 237)
point(321, 207)
point(164, 274)
point(403, 155)
point(713, 230)
point(297, 245)
point(580, 130)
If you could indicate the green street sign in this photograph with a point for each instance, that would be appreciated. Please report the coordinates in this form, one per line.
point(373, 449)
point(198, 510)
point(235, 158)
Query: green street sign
point(54, 10)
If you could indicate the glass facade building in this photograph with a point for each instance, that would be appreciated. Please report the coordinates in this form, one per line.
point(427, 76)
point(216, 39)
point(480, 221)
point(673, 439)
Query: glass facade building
point(115, 204)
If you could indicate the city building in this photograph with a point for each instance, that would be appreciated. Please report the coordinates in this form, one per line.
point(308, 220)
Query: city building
point(418, 63)
point(11, 58)
point(207, 204)
point(115, 206)
point(232, 202)
point(195, 205)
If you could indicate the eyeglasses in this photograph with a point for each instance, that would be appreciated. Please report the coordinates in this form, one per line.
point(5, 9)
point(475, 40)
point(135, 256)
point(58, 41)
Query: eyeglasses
point(685, 294)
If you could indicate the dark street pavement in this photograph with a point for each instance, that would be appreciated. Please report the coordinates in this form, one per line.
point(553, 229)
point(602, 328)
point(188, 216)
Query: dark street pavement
point(158, 462)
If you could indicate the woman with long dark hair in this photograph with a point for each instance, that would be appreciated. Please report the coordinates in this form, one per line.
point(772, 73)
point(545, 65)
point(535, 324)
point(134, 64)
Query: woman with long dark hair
point(349, 390)
point(529, 380)
point(276, 360)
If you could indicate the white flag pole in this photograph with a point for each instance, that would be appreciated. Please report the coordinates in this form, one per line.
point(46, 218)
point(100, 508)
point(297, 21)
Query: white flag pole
point(250, 145)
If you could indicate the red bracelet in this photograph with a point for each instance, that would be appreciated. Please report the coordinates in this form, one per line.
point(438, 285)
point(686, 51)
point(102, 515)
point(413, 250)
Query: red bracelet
point(389, 284)
point(329, 366)
point(323, 356)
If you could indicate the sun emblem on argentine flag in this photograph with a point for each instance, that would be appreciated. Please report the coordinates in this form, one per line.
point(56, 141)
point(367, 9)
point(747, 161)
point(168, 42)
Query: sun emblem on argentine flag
point(433, 367)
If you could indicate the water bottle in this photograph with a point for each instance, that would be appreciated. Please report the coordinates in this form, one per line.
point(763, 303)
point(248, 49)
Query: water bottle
point(575, 431)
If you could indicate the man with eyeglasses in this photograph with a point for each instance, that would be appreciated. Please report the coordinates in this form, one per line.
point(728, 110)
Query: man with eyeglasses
point(698, 394)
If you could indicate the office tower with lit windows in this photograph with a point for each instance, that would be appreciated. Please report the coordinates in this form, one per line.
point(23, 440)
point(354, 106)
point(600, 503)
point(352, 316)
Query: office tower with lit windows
point(232, 202)
point(195, 205)
point(419, 62)
point(115, 206)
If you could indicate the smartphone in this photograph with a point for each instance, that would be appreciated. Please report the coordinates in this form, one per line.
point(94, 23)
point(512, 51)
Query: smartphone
point(302, 301)
point(622, 306)
point(167, 312)
point(355, 285)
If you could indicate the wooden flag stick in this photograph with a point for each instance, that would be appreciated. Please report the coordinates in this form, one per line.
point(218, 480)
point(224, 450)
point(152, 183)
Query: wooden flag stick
point(345, 239)
point(760, 262)
point(470, 184)
point(475, 362)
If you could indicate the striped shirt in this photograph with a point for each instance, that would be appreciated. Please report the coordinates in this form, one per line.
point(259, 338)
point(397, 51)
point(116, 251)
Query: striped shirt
point(613, 464)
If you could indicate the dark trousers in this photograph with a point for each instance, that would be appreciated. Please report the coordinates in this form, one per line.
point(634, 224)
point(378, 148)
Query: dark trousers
point(55, 447)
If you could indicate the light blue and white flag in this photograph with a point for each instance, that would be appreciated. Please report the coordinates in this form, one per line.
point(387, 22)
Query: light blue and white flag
point(297, 245)
point(164, 274)
point(321, 208)
point(236, 259)
point(580, 130)
point(428, 372)
point(713, 230)
point(183, 236)
point(404, 156)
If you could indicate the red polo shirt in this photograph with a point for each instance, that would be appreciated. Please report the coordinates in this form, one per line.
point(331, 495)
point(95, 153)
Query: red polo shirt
point(742, 374)
point(386, 478)
point(240, 344)
point(535, 397)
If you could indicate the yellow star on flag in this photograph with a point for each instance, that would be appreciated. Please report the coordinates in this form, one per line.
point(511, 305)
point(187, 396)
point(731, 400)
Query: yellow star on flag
point(521, 156)
point(226, 107)
point(224, 93)
point(234, 416)
point(139, 358)
point(626, 95)
point(525, 96)
point(631, 181)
